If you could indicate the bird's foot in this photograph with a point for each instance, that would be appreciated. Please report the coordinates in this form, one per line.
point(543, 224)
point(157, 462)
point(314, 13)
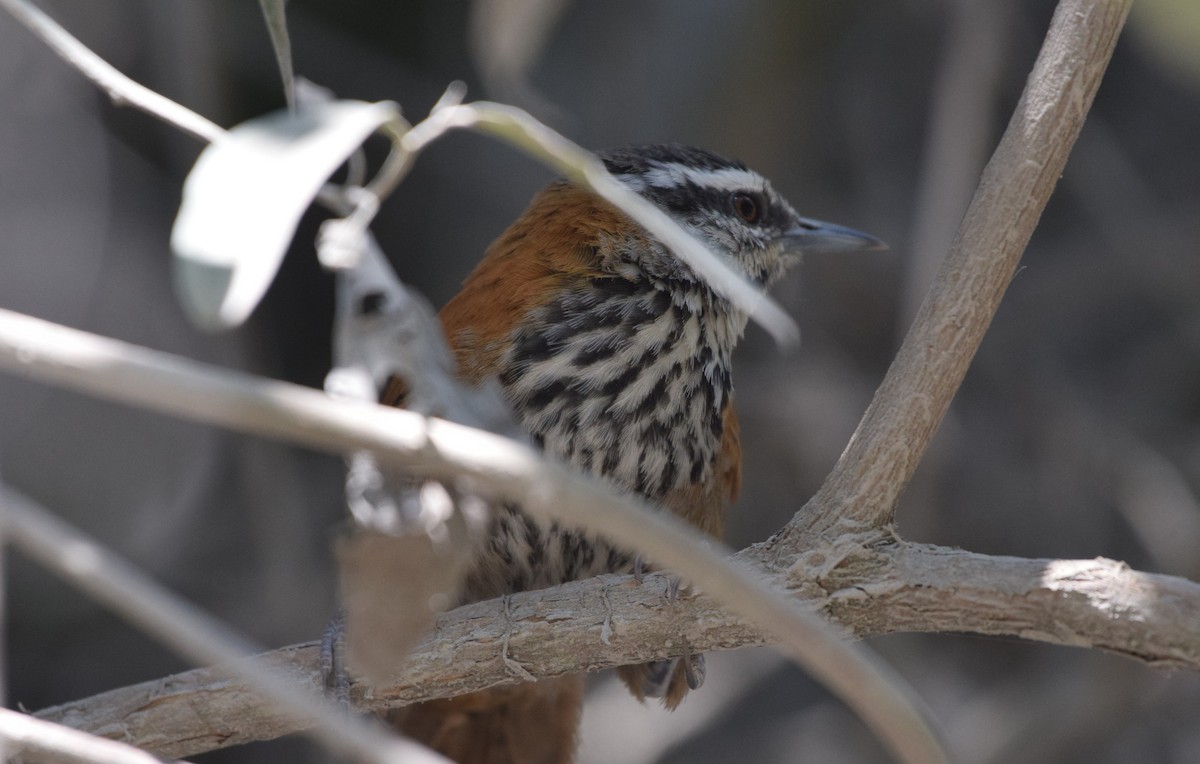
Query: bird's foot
point(334, 676)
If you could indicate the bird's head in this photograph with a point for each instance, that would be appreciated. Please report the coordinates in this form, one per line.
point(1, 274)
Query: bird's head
point(729, 207)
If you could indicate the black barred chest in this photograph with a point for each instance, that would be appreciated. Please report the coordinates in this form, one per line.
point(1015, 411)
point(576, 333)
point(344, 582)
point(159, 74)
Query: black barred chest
point(621, 380)
point(625, 381)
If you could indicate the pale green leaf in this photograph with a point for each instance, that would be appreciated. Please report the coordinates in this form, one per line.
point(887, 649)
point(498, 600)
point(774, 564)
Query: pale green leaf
point(245, 195)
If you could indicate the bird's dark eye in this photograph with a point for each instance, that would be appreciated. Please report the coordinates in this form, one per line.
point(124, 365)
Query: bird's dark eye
point(747, 206)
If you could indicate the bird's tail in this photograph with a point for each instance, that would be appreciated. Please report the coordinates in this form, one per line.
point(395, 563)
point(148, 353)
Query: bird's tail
point(534, 723)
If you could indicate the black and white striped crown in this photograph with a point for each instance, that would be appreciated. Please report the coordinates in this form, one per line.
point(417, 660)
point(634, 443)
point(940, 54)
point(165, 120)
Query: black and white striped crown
point(687, 180)
point(639, 160)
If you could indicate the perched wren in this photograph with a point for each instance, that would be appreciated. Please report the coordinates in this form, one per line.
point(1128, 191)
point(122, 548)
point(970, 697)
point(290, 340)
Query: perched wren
point(616, 358)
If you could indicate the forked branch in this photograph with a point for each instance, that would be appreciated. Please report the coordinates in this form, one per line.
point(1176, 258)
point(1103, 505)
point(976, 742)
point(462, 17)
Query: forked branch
point(833, 557)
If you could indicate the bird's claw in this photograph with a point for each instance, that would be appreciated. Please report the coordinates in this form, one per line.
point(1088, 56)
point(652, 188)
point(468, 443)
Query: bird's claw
point(693, 670)
point(334, 676)
point(674, 583)
point(660, 675)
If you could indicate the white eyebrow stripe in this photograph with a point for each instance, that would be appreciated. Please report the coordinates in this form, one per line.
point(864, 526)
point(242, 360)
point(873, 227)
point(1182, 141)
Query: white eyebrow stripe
point(674, 175)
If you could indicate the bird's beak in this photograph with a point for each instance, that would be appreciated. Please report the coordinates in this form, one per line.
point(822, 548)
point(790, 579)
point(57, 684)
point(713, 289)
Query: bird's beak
point(816, 237)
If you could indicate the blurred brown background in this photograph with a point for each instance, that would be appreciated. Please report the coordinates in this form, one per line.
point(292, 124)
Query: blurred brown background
point(1075, 434)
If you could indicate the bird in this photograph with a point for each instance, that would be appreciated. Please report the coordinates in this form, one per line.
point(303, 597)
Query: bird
point(616, 358)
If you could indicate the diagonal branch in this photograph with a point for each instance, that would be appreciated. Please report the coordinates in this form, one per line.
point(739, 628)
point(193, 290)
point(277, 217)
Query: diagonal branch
point(115, 583)
point(121, 89)
point(897, 427)
point(493, 466)
point(868, 588)
point(275, 14)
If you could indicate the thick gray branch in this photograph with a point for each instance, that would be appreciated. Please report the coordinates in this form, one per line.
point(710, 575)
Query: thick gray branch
point(875, 587)
point(1016, 184)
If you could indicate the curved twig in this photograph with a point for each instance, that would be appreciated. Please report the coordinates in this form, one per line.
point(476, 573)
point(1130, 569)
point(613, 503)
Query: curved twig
point(121, 89)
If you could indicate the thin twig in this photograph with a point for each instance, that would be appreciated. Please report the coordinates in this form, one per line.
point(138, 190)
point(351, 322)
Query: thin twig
point(113, 582)
point(275, 14)
point(496, 467)
point(892, 437)
point(121, 89)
